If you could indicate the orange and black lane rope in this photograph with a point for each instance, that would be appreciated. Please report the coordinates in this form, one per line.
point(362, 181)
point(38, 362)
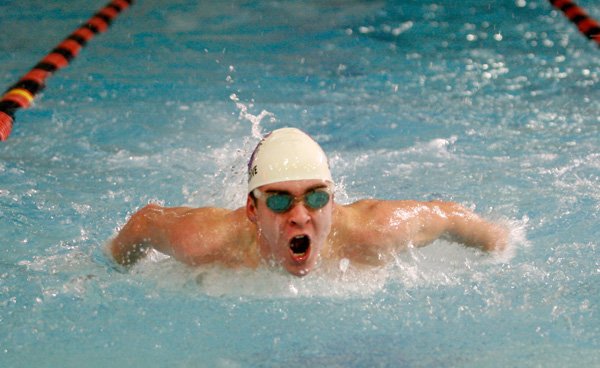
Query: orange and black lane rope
point(21, 94)
point(586, 25)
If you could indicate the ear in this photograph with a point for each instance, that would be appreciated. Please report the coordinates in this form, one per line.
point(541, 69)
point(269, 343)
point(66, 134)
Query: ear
point(251, 209)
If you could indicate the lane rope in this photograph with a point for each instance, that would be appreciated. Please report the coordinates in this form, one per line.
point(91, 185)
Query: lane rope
point(22, 93)
point(586, 25)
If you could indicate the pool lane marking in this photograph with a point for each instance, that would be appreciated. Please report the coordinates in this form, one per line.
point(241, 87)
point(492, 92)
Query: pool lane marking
point(22, 93)
point(586, 25)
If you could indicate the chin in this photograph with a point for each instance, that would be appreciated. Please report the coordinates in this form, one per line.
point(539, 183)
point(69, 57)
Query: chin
point(300, 270)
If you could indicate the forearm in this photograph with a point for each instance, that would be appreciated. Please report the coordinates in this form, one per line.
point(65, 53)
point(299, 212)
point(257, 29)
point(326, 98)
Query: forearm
point(468, 228)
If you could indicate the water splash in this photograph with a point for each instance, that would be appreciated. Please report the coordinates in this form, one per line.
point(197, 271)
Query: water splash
point(226, 188)
point(254, 119)
point(345, 281)
point(229, 179)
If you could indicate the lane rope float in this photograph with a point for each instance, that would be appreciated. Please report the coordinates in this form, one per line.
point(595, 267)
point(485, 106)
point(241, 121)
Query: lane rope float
point(22, 93)
point(586, 25)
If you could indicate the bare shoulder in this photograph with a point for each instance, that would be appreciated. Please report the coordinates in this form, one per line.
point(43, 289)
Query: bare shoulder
point(220, 225)
point(382, 224)
point(374, 205)
point(182, 221)
point(370, 216)
point(364, 230)
point(368, 228)
point(374, 211)
point(202, 216)
point(201, 235)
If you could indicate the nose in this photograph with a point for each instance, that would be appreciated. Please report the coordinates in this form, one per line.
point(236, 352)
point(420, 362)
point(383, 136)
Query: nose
point(299, 215)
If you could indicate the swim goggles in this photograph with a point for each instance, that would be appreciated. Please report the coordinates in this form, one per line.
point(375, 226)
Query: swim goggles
point(281, 202)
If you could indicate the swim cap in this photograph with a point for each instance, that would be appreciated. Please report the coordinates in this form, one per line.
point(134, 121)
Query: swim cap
point(286, 154)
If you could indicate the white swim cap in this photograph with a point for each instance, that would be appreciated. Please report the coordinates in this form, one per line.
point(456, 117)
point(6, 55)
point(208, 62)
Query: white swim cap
point(287, 154)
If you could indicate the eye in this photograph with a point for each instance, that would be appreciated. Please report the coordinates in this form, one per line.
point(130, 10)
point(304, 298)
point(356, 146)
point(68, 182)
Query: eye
point(317, 199)
point(279, 202)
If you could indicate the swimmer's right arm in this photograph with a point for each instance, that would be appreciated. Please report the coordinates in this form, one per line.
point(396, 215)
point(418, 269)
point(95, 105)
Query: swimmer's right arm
point(174, 231)
point(191, 235)
point(138, 235)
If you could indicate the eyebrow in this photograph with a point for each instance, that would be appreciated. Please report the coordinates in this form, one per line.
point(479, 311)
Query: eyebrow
point(310, 189)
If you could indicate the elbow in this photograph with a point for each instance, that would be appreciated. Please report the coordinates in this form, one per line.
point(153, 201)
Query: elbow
point(131, 242)
point(115, 251)
point(117, 254)
point(127, 254)
point(124, 254)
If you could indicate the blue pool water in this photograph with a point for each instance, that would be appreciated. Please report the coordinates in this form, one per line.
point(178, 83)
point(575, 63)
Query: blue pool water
point(491, 104)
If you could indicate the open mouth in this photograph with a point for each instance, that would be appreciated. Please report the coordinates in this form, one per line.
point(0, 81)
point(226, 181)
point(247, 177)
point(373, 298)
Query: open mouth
point(300, 247)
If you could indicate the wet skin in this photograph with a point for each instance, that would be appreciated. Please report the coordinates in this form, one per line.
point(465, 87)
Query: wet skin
point(365, 232)
point(277, 233)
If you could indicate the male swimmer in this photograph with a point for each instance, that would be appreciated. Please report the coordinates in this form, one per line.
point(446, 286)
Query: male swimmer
point(291, 220)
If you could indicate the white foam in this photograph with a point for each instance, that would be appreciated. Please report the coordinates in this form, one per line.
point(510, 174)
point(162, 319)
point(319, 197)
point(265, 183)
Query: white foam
point(264, 282)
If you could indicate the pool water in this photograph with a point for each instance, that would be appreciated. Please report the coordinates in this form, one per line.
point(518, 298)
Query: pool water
point(491, 104)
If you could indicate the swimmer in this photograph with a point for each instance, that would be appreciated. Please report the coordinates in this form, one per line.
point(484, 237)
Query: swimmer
point(292, 221)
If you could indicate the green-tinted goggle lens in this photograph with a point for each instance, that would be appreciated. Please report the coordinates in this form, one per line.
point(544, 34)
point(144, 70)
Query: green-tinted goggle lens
point(281, 202)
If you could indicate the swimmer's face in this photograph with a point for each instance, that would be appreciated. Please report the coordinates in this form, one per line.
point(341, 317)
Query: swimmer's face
point(293, 238)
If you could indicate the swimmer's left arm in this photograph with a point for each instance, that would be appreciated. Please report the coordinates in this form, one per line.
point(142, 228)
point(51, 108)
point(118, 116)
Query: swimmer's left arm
point(420, 223)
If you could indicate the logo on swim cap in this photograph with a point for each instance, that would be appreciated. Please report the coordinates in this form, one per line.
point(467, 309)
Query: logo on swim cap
point(287, 154)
